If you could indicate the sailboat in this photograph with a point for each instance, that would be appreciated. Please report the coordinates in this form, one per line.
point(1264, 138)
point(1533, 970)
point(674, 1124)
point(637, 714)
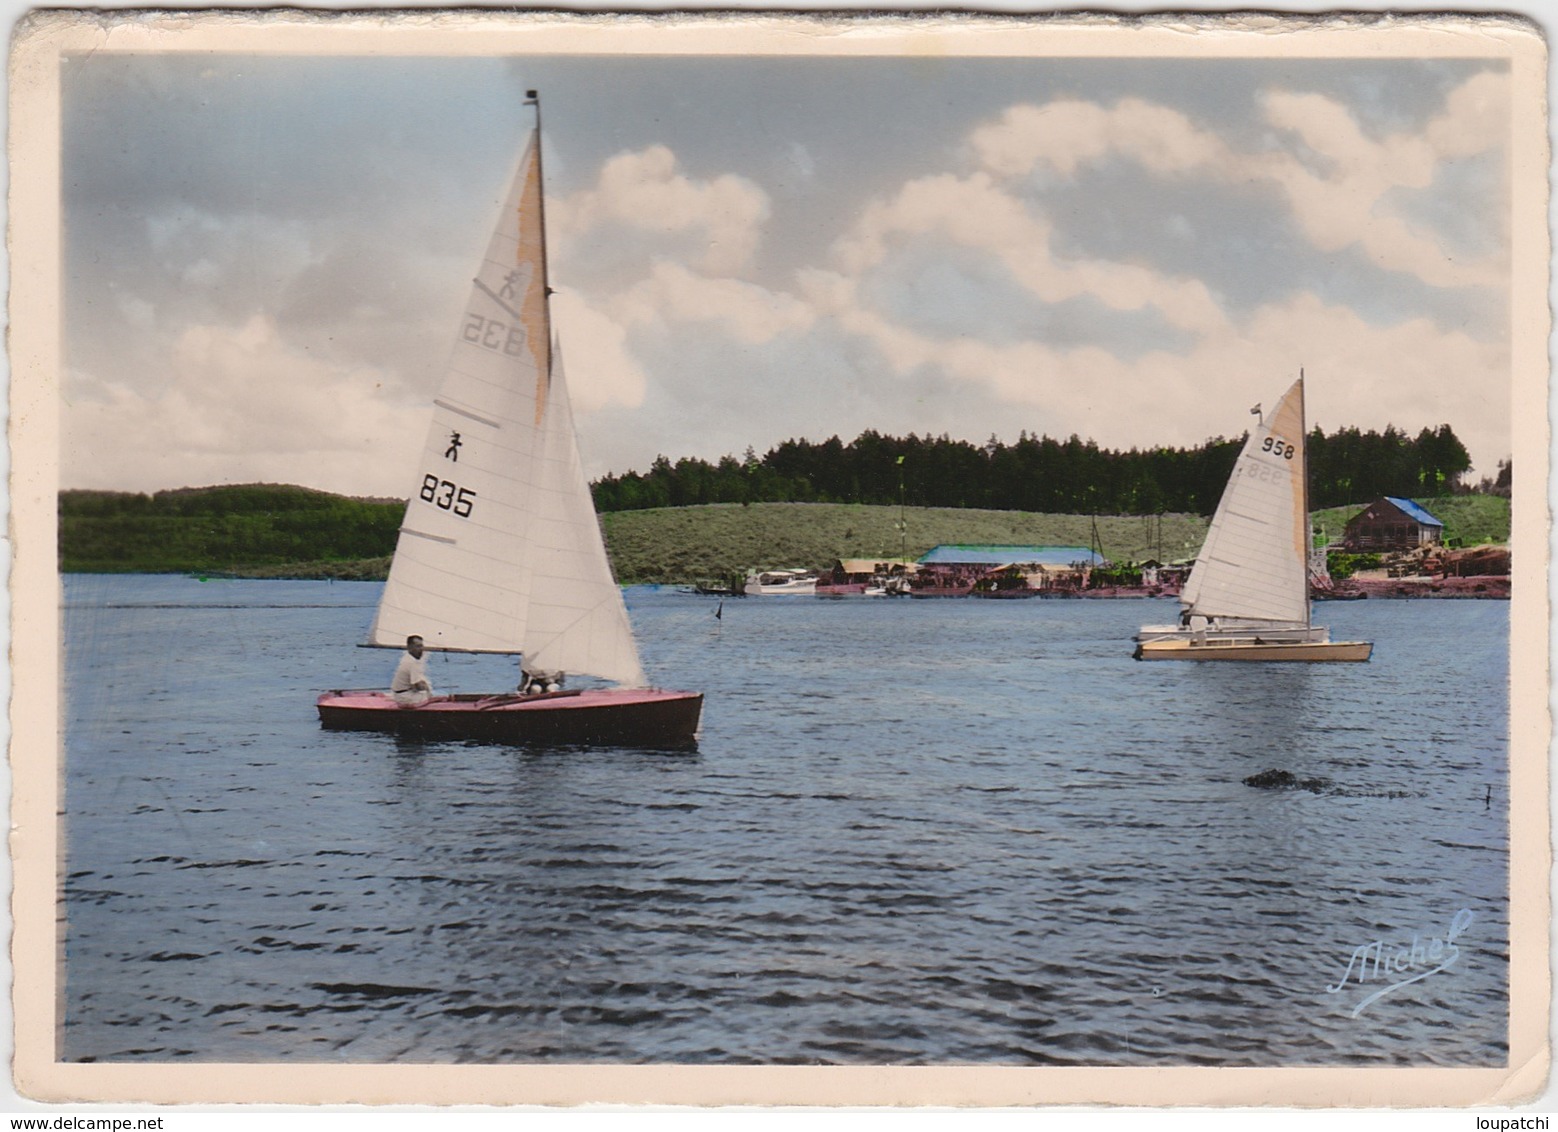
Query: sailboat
point(500, 550)
point(1247, 597)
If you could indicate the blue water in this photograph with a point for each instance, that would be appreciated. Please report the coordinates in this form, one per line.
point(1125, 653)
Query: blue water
point(922, 832)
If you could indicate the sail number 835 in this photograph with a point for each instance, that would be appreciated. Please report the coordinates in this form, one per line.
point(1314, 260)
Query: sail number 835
point(490, 334)
point(1277, 447)
point(447, 496)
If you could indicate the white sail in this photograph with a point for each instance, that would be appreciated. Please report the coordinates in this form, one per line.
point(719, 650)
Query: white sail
point(1254, 561)
point(577, 622)
point(499, 517)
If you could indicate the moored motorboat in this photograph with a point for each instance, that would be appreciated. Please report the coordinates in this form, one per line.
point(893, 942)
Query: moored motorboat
point(781, 583)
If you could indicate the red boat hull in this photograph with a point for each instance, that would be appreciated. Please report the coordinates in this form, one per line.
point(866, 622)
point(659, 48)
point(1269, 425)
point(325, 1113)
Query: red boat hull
point(596, 718)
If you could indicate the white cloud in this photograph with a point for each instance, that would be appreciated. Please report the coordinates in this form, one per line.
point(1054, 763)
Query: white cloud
point(668, 287)
point(240, 405)
point(1348, 204)
point(601, 369)
point(689, 242)
point(1368, 372)
point(1342, 206)
point(645, 192)
point(1069, 133)
point(1410, 374)
point(746, 312)
point(976, 213)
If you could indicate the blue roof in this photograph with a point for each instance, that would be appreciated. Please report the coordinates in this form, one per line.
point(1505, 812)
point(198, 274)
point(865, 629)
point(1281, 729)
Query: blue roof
point(1414, 511)
point(963, 555)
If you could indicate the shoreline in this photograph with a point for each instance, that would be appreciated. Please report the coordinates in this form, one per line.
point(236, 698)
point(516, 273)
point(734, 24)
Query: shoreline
point(1483, 588)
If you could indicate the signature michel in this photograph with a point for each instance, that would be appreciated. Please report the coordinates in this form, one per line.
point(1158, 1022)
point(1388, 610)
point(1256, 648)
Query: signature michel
point(1371, 962)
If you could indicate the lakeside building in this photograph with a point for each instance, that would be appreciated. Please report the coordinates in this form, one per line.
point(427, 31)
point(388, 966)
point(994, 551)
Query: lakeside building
point(1390, 523)
point(856, 575)
point(953, 569)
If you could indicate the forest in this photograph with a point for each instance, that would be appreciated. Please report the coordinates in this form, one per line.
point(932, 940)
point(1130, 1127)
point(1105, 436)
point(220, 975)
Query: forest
point(216, 528)
point(1039, 474)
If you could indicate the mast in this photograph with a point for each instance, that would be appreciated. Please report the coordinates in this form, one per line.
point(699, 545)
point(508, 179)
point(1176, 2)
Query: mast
point(903, 526)
point(533, 98)
point(1303, 498)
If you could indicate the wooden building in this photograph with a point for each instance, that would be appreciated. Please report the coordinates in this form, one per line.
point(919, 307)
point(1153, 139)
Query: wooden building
point(1390, 523)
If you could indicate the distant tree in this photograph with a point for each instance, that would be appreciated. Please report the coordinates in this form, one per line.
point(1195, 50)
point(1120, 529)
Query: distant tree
point(1037, 473)
point(1496, 485)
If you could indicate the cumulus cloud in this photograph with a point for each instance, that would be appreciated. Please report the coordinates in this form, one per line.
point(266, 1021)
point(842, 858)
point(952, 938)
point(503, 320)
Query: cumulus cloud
point(977, 213)
point(1339, 194)
point(1348, 203)
point(645, 192)
point(691, 242)
point(1034, 285)
point(748, 313)
point(239, 404)
point(1337, 183)
point(601, 369)
point(1069, 133)
point(1411, 373)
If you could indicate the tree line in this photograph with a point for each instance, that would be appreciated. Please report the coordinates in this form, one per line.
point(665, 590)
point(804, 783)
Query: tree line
point(259, 524)
point(1040, 473)
point(217, 527)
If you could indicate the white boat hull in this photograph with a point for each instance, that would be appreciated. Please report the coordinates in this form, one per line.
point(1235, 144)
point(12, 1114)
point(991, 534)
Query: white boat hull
point(781, 583)
point(1234, 632)
point(799, 589)
point(1252, 649)
point(1248, 595)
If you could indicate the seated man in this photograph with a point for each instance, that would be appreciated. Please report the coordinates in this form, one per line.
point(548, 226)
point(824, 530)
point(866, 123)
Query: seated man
point(534, 683)
point(409, 685)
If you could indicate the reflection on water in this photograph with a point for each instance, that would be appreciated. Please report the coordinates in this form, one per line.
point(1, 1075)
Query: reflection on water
point(913, 832)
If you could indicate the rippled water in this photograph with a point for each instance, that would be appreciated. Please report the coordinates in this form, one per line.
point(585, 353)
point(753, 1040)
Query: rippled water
point(913, 832)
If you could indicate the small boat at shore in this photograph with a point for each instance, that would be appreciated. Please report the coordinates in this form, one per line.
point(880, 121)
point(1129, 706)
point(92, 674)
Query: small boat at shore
point(949, 589)
point(782, 583)
point(1247, 598)
point(500, 550)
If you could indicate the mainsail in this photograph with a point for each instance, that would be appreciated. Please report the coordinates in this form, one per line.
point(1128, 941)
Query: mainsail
point(500, 550)
point(1254, 561)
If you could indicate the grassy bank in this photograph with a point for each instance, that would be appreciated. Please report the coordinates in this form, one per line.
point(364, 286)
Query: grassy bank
point(286, 532)
point(1468, 519)
point(683, 544)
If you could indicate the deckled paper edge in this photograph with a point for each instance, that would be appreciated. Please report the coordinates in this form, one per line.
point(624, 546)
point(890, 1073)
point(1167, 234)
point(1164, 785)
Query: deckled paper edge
point(35, 339)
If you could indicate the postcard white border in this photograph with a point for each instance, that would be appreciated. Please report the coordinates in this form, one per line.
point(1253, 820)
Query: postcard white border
point(35, 345)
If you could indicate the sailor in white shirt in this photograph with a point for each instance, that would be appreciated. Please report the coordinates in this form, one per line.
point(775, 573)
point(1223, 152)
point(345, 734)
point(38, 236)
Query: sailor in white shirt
point(409, 685)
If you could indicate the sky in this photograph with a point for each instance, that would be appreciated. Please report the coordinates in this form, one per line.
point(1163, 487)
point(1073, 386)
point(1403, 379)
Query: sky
point(266, 257)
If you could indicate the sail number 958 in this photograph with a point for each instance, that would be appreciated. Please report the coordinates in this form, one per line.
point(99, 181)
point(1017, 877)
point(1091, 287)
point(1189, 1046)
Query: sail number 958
point(1277, 447)
point(447, 496)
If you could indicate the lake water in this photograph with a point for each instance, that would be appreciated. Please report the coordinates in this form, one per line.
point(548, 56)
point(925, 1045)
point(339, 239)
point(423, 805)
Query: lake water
point(913, 832)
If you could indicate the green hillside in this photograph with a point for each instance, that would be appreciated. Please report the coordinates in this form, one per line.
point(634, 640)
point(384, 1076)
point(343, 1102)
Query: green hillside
point(681, 544)
point(1468, 519)
point(267, 530)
